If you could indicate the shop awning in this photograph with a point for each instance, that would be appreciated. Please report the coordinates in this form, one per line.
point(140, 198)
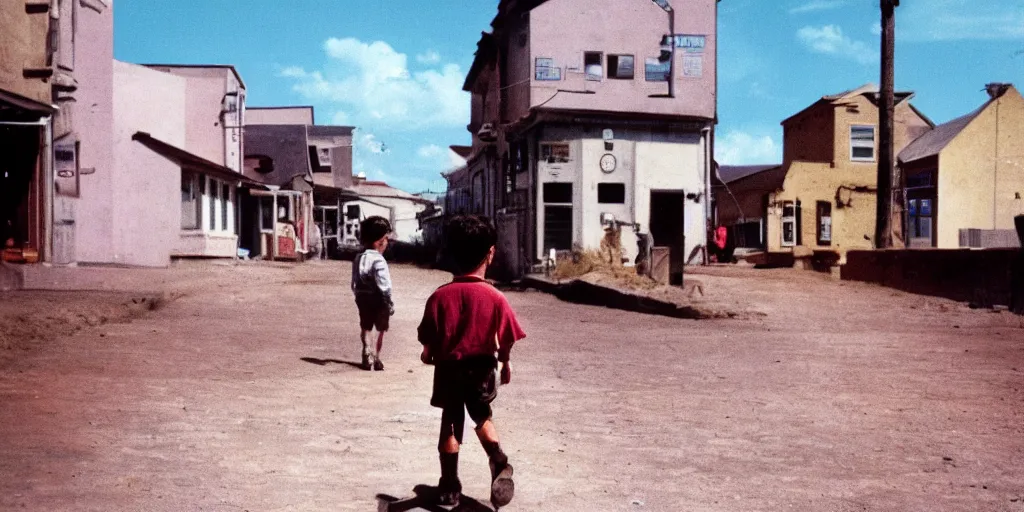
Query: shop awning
point(192, 162)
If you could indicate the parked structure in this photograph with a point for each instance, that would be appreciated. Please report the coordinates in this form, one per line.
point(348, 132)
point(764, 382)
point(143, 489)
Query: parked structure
point(741, 195)
point(965, 178)
point(378, 198)
point(828, 197)
point(573, 129)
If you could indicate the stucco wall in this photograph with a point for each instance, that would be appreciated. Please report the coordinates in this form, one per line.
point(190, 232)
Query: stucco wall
point(981, 177)
point(92, 119)
point(291, 115)
point(646, 161)
point(853, 216)
point(24, 46)
point(563, 30)
point(147, 221)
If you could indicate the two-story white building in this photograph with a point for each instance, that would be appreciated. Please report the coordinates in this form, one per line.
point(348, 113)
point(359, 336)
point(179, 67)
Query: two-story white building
point(582, 118)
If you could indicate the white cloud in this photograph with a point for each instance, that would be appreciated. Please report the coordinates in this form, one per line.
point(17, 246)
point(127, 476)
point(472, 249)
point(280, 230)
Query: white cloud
point(444, 159)
point(432, 151)
point(366, 142)
point(876, 28)
point(830, 40)
point(958, 20)
point(429, 57)
point(817, 5)
point(340, 118)
point(737, 147)
point(373, 84)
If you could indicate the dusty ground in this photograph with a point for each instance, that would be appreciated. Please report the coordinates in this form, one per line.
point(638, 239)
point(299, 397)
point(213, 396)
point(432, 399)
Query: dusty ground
point(239, 394)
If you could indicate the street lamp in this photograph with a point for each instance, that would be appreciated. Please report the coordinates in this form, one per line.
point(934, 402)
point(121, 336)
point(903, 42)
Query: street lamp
point(671, 44)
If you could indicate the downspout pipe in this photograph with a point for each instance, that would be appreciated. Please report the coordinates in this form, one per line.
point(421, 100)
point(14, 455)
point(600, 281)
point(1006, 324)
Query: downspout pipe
point(706, 134)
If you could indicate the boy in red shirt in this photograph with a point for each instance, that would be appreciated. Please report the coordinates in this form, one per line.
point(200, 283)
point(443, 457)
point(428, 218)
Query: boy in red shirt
point(467, 333)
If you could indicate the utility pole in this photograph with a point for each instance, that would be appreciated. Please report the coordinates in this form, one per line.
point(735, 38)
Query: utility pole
point(886, 112)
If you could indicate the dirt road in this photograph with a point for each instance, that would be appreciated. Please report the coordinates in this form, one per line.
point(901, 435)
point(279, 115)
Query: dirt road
point(241, 394)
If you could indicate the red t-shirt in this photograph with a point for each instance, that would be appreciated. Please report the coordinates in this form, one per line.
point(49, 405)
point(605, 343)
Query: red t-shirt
point(468, 317)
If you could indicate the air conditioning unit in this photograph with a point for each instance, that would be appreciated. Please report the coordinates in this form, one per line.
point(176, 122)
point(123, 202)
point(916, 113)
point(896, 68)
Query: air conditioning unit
point(488, 133)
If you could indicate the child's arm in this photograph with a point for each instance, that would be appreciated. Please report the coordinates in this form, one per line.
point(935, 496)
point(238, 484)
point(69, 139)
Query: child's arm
point(427, 331)
point(383, 280)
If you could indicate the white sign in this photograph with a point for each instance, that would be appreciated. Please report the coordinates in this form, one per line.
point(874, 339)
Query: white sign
point(693, 65)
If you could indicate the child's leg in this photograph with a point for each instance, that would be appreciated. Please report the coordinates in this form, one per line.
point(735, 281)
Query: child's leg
point(377, 365)
point(453, 422)
point(502, 486)
point(364, 336)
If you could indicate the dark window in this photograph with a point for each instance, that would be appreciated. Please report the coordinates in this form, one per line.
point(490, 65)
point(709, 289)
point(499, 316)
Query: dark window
point(620, 66)
point(266, 213)
point(558, 193)
point(920, 218)
point(546, 70)
point(225, 205)
point(352, 212)
point(592, 66)
point(214, 191)
point(824, 223)
point(611, 193)
point(557, 228)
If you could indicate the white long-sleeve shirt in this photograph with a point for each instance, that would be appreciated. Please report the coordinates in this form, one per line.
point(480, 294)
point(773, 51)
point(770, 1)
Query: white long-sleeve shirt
point(370, 275)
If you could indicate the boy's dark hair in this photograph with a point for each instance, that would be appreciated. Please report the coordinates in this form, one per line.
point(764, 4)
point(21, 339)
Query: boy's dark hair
point(468, 238)
point(373, 229)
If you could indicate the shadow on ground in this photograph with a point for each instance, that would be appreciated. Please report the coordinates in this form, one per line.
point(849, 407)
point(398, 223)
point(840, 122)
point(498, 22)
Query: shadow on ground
point(325, 362)
point(425, 499)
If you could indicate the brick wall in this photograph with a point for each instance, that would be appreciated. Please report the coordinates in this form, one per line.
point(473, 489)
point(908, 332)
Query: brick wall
point(982, 277)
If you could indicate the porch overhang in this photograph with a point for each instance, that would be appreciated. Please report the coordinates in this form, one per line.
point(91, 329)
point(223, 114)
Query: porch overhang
point(193, 162)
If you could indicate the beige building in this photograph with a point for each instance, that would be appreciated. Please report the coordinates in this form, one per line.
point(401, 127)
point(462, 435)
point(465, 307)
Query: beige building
point(965, 178)
point(830, 156)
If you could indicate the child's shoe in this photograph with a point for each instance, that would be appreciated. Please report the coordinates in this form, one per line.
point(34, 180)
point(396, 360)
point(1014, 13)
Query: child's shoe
point(449, 492)
point(367, 362)
point(502, 486)
point(378, 366)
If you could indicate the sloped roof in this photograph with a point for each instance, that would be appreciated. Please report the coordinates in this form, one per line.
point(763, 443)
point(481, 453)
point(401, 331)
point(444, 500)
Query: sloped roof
point(731, 173)
point(871, 91)
point(933, 142)
point(381, 189)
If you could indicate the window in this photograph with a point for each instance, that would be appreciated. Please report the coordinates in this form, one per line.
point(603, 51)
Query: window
point(324, 156)
point(557, 216)
point(352, 212)
point(545, 70)
point(554, 153)
point(214, 192)
point(225, 195)
point(824, 223)
point(558, 193)
point(611, 193)
point(920, 218)
point(862, 143)
point(191, 201)
point(789, 224)
point(620, 67)
point(592, 66)
point(656, 70)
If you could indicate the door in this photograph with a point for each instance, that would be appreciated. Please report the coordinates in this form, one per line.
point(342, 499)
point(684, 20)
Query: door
point(667, 229)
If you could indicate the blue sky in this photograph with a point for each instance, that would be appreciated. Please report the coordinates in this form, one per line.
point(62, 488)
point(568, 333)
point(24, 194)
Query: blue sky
point(395, 69)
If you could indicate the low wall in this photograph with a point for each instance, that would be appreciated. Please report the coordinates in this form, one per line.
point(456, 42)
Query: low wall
point(982, 277)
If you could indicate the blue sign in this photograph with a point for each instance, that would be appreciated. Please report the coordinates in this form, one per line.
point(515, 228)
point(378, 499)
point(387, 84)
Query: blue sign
point(688, 43)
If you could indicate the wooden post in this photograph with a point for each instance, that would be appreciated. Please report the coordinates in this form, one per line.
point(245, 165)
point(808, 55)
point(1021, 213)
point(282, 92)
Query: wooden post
point(886, 112)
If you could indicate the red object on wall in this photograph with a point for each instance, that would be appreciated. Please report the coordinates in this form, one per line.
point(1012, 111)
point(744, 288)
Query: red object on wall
point(285, 247)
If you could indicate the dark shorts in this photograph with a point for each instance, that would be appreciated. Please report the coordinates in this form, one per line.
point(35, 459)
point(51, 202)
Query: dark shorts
point(470, 383)
point(373, 313)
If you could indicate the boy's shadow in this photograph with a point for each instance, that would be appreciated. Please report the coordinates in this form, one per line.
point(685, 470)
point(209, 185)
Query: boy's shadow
point(426, 499)
point(325, 362)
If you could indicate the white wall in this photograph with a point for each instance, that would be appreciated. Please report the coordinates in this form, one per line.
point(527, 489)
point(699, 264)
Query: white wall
point(646, 161)
point(146, 197)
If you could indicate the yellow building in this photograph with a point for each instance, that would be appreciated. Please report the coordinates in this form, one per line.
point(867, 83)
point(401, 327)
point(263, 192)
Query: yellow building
point(965, 178)
point(828, 197)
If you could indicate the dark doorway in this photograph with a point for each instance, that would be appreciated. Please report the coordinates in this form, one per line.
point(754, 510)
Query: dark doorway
point(20, 200)
point(667, 230)
point(249, 222)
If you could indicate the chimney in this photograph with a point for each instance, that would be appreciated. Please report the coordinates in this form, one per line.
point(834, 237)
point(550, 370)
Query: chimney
point(996, 90)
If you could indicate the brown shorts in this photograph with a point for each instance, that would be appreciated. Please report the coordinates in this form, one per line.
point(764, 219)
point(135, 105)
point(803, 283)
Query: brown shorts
point(373, 313)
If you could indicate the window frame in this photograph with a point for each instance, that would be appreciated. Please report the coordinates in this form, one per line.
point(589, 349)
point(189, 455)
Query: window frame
point(214, 192)
point(194, 190)
point(618, 64)
point(600, 62)
point(789, 219)
point(855, 144)
point(825, 206)
point(550, 158)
